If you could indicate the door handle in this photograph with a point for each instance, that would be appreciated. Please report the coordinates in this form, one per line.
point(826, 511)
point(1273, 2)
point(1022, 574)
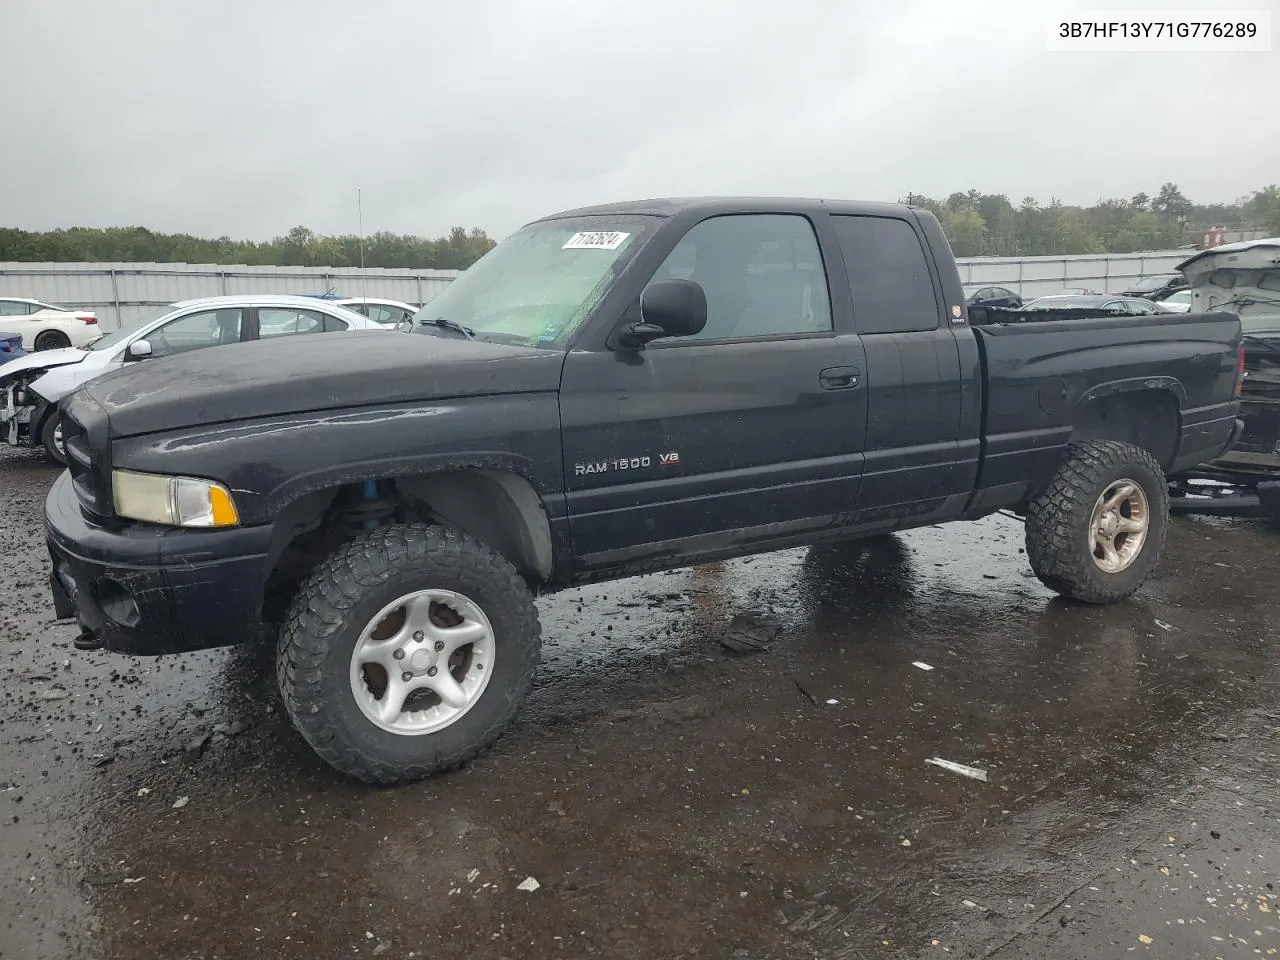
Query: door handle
point(839, 378)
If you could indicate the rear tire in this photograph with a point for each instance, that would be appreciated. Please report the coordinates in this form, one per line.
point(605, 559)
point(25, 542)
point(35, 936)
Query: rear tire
point(328, 679)
point(1104, 493)
point(51, 438)
point(52, 340)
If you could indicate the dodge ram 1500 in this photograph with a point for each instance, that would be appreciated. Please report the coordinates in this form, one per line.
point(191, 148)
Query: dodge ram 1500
point(613, 390)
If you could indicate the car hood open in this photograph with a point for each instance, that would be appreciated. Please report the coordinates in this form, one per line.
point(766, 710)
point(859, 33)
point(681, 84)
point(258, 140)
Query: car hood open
point(1240, 278)
point(323, 371)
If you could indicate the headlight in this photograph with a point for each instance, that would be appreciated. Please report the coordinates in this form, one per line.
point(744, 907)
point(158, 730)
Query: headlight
point(174, 501)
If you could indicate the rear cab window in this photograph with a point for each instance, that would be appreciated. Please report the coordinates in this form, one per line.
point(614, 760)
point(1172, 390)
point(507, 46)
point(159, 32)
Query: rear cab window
point(889, 275)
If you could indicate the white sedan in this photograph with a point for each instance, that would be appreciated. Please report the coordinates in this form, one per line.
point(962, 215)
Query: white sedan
point(31, 386)
point(386, 312)
point(46, 326)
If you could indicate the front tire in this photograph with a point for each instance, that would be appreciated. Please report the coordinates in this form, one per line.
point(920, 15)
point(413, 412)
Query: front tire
point(1096, 532)
point(407, 653)
point(52, 340)
point(51, 439)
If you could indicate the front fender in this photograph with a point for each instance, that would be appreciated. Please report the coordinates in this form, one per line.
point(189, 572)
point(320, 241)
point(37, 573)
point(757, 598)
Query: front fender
point(269, 462)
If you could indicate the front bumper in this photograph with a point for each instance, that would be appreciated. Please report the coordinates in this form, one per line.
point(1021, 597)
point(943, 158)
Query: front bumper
point(147, 590)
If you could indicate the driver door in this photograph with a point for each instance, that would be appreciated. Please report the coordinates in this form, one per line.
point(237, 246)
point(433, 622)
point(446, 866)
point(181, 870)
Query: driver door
point(749, 432)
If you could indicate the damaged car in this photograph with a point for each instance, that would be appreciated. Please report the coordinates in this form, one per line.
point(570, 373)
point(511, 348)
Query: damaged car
point(30, 387)
point(1242, 279)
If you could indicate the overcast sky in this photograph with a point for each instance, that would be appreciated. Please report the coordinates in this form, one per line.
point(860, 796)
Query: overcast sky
point(246, 118)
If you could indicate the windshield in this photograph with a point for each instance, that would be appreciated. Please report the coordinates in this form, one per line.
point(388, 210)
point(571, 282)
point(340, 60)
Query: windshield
point(970, 289)
point(109, 340)
point(538, 285)
point(1152, 283)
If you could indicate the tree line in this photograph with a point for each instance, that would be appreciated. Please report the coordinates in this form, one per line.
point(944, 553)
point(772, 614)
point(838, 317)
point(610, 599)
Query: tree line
point(982, 224)
point(977, 224)
point(300, 247)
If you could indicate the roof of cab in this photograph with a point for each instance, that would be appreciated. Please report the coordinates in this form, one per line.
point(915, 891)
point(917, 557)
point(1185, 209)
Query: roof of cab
point(671, 206)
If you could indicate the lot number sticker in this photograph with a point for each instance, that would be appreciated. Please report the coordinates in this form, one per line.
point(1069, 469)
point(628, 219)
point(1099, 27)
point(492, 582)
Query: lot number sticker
point(595, 241)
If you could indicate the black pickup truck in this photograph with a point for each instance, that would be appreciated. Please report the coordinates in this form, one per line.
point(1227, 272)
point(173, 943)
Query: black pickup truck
point(610, 391)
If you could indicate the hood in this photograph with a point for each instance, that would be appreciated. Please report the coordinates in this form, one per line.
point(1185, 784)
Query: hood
point(319, 371)
point(43, 360)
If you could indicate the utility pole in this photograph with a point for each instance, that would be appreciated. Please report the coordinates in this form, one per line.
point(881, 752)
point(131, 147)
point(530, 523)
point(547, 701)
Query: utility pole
point(364, 279)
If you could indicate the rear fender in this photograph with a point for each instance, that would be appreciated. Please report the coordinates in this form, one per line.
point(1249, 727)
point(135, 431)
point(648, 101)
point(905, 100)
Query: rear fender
point(1145, 411)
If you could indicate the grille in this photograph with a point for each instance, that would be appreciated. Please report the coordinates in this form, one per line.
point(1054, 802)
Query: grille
point(89, 486)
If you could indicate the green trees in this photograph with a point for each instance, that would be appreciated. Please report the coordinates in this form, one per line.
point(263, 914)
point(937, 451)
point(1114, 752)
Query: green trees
point(299, 247)
point(989, 225)
point(977, 224)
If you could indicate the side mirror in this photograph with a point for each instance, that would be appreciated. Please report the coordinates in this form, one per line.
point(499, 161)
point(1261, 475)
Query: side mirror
point(668, 308)
point(138, 350)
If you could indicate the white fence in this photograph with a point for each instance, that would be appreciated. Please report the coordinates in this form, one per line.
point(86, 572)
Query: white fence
point(1038, 276)
point(119, 292)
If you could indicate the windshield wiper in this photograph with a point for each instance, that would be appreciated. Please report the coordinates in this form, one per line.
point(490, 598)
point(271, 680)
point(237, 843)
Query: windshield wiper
point(452, 325)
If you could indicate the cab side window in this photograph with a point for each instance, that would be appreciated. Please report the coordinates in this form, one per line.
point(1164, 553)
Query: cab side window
point(762, 274)
point(892, 287)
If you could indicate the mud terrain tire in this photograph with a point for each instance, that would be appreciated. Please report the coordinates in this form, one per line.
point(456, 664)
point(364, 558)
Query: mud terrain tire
point(1064, 520)
point(340, 599)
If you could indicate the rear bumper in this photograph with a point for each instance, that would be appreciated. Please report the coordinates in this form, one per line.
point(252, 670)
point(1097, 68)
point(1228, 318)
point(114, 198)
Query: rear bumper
point(148, 590)
point(1206, 435)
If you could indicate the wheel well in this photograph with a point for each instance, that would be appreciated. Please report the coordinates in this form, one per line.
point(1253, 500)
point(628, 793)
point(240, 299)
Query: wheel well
point(1147, 418)
point(499, 508)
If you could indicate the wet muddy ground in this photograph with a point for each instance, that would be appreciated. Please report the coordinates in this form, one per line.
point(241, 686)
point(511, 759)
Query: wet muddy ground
point(674, 800)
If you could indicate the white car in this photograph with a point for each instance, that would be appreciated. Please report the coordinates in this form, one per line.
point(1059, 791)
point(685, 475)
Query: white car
point(1179, 302)
point(386, 312)
point(31, 386)
point(46, 326)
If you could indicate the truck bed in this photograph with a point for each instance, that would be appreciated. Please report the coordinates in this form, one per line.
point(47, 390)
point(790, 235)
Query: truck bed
point(1040, 374)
